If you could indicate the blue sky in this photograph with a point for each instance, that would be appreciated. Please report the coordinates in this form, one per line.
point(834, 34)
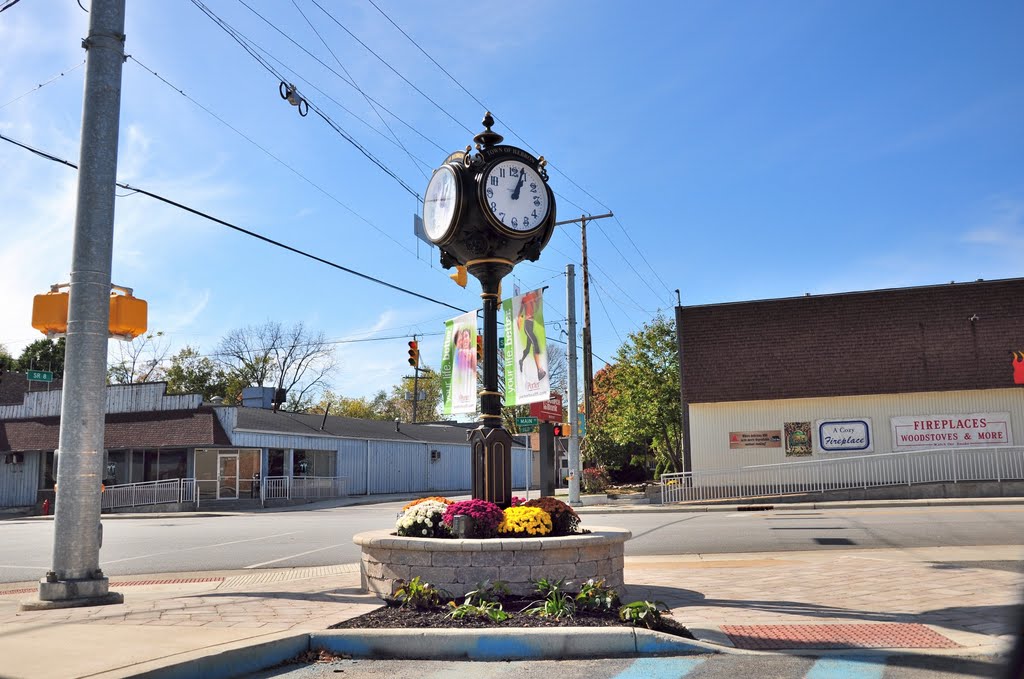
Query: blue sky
point(749, 149)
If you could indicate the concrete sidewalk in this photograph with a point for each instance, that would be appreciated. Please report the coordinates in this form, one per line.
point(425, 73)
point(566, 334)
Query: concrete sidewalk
point(952, 600)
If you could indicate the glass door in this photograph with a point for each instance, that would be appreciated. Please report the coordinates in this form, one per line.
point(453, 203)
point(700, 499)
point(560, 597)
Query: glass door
point(227, 476)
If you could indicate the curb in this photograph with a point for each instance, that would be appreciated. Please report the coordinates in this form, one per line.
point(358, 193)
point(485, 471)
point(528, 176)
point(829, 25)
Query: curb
point(216, 662)
point(837, 504)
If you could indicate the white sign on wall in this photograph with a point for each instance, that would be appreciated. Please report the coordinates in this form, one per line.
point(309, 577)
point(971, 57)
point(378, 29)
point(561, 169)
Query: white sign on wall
point(946, 431)
point(844, 436)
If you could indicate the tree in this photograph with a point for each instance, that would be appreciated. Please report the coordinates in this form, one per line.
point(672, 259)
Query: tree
point(140, 360)
point(192, 373)
point(638, 397)
point(43, 354)
point(7, 361)
point(427, 409)
point(270, 355)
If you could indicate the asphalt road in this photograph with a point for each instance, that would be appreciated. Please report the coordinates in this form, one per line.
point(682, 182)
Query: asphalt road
point(324, 536)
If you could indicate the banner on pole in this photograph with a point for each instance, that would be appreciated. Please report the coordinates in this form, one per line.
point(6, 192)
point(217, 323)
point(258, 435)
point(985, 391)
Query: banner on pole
point(526, 355)
point(458, 365)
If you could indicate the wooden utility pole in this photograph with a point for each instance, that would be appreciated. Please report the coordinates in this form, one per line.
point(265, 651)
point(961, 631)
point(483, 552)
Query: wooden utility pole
point(588, 359)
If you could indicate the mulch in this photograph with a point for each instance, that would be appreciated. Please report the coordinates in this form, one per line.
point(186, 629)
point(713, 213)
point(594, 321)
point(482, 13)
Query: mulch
point(392, 617)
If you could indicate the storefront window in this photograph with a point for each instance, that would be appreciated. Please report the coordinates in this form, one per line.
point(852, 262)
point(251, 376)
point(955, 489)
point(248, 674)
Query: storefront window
point(47, 471)
point(314, 463)
point(275, 462)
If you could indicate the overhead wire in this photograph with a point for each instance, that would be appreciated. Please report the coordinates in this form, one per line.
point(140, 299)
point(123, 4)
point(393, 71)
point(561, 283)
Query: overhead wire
point(249, 139)
point(359, 89)
point(44, 84)
point(242, 230)
point(242, 41)
point(625, 259)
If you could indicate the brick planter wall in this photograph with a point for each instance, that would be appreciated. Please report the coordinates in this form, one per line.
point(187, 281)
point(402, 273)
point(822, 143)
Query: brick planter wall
point(459, 565)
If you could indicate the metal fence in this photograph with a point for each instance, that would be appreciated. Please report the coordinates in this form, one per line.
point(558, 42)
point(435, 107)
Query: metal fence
point(150, 493)
point(862, 471)
point(303, 487)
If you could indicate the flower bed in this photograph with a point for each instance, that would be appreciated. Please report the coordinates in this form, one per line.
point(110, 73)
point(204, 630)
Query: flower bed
point(458, 565)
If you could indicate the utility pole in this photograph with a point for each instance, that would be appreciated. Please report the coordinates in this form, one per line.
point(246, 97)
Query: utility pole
point(415, 381)
point(588, 354)
point(574, 441)
point(684, 407)
point(76, 578)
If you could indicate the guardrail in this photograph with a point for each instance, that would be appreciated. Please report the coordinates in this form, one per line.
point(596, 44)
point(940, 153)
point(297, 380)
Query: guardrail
point(303, 487)
point(861, 471)
point(150, 493)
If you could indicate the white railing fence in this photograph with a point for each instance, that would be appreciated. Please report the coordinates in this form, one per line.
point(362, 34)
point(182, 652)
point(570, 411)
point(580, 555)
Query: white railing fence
point(862, 471)
point(150, 493)
point(303, 487)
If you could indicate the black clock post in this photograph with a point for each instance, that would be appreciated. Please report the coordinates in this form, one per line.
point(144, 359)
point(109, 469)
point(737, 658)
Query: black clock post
point(488, 211)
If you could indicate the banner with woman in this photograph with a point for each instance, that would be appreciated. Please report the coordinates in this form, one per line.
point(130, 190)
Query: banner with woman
point(458, 365)
point(526, 355)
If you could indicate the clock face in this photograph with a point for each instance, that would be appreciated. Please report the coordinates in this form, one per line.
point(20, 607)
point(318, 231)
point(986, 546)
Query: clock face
point(515, 196)
point(440, 204)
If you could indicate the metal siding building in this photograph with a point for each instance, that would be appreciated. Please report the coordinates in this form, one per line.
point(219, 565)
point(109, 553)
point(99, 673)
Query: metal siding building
point(19, 480)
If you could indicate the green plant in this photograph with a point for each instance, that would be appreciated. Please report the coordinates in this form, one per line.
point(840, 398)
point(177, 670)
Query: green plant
point(644, 613)
point(564, 519)
point(595, 595)
point(419, 594)
point(485, 609)
point(556, 603)
point(487, 592)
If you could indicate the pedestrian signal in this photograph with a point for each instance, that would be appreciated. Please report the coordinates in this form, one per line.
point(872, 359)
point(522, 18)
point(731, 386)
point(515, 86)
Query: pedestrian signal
point(414, 353)
point(479, 349)
point(561, 430)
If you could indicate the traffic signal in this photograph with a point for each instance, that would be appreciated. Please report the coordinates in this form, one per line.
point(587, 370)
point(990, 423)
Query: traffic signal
point(479, 348)
point(414, 353)
point(459, 276)
point(561, 430)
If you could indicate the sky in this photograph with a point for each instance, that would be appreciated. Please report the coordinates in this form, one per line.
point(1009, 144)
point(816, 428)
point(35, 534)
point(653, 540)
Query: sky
point(748, 150)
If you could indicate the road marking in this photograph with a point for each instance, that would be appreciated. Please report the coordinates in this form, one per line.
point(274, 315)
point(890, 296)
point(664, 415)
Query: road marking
point(187, 549)
point(27, 568)
point(660, 668)
point(839, 667)
point(295, 556)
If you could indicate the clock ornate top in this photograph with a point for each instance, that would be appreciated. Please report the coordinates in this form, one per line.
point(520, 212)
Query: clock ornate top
point(494, 204)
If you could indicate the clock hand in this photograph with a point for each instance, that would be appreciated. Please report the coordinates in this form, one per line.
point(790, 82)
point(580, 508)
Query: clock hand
point(515, 192)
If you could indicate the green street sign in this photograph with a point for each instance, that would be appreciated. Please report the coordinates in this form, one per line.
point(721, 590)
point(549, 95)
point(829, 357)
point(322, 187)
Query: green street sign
point(39, 376)
point(526, 422)
point(527, 428)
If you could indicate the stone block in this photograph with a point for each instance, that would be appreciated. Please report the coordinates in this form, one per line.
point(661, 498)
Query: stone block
point(435, 574)
point(586, 570)
point(512, 574)
point(411, 558)
point(531, 558)
point(561, 556)
point(618, 563)
point(454, 559)
point(375, 554)
point(391, 571)
point(594, 552)
point(373, 569)
point(553, 571)
point(476, 574)
point(491, 558)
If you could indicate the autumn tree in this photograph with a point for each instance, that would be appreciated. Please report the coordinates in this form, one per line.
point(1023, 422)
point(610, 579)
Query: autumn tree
point(637, 399)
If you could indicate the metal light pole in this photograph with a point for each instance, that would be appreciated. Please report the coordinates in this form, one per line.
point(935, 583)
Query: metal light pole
point(76, 579)
point(574, 436)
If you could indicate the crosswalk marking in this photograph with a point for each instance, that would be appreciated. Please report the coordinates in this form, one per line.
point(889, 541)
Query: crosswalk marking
point(660, 668)
point(839, 667)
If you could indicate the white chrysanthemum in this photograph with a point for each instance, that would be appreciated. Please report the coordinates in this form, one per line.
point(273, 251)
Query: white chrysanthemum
point(427, 514)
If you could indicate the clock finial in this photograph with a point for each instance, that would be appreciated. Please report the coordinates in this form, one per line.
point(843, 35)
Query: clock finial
point(488, 138)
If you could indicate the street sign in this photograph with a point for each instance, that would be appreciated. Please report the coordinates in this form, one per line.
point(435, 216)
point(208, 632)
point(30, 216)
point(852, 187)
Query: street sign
point(526, 422)
point(581, 424)
point(548, 411)
point(39, 376)
point(527, 429)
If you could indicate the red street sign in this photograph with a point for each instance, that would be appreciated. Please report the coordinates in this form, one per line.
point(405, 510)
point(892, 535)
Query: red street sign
point(548, 411)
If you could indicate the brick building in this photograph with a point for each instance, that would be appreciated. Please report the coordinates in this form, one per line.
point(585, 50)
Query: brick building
point(780, 380)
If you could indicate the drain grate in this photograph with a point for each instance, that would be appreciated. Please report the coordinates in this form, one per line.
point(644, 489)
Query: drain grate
point(866, 635)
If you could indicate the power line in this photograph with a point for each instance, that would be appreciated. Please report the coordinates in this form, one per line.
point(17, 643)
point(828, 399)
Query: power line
point(44, 84)
point(242, 40)
point(10, 3)
point(240, 229)
point(365, 96)
point(626, 259)
point(270, 154)
point(642, 258)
